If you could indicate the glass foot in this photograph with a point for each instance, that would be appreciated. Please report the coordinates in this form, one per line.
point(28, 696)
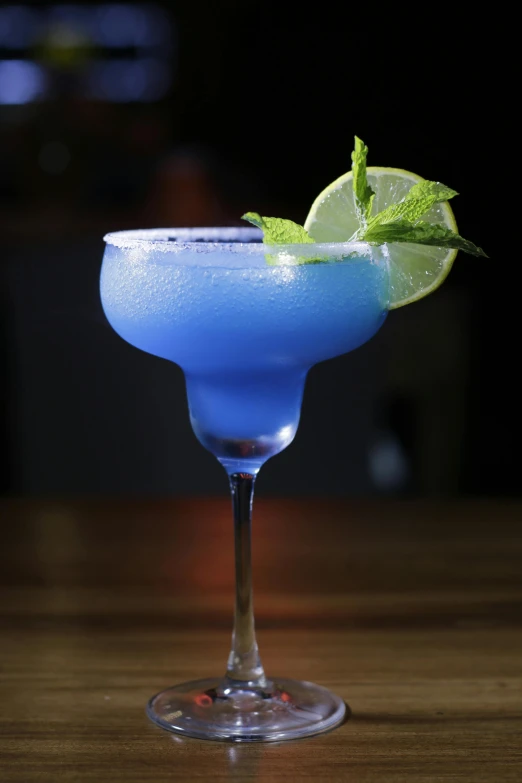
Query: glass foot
point(285, 709)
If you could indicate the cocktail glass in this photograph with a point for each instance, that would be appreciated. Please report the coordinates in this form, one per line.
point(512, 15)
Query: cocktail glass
point(245, 322)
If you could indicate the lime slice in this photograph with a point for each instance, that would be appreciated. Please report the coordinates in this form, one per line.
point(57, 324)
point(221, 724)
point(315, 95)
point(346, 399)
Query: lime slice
point(415, 270)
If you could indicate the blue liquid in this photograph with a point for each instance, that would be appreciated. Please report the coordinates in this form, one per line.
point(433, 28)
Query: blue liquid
point(244, 333)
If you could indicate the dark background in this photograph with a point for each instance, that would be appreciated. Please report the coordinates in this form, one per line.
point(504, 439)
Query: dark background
point(127, 115)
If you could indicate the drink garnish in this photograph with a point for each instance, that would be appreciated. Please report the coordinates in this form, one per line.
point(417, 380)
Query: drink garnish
point(397, 209)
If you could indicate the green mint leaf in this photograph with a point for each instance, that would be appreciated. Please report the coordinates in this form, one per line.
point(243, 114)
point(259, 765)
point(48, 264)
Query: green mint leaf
point(429, 188)
point(421, 233)
point(419, 199)
point(362, 193)
point(277, 231)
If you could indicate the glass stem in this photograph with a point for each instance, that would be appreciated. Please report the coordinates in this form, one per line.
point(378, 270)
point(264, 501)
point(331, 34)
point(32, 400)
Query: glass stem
point(244, 664)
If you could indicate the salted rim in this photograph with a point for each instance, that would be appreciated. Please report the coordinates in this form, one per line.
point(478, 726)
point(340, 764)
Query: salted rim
point(212, 239)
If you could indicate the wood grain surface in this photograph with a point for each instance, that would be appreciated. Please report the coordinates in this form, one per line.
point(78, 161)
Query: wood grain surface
point(411, 611)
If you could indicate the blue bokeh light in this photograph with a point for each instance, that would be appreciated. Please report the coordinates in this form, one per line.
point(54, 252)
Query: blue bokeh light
point(21, 81)
point(124, 81)
point(18, 26)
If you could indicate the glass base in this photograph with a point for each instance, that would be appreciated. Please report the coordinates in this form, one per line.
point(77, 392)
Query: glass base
point(283, 710)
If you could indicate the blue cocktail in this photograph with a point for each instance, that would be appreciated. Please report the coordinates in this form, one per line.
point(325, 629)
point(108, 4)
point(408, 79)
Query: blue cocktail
point(245, 321)
point(244, 332)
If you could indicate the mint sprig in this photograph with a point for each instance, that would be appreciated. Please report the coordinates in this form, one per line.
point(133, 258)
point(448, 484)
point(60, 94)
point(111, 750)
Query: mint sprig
point(362, 192)
point(400, 222)
point(421, 233)
point(413, 206)
point(278, 231)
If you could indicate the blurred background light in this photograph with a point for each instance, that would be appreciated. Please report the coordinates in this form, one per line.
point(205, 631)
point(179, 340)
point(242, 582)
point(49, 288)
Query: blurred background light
point(78, 16)
point(18, 26)
point(124, 81)
point(21, 81)
point(113, 52)
point(122, 25)
point(388, 466)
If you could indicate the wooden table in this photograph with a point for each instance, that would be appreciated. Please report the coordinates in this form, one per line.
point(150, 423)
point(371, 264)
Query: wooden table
point(411, 611)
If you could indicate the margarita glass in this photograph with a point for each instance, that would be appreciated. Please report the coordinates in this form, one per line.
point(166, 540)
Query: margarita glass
point(245, 321)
